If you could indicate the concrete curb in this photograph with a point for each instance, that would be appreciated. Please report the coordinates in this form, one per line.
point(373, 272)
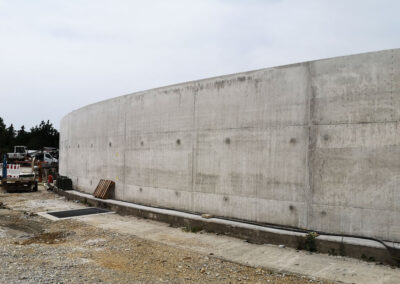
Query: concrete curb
point(346, 246)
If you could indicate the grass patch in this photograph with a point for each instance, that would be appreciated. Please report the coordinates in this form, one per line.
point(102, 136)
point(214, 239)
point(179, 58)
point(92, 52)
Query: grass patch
point(190, 229)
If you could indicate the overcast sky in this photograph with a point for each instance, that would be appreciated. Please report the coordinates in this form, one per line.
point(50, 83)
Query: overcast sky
point(57, 56)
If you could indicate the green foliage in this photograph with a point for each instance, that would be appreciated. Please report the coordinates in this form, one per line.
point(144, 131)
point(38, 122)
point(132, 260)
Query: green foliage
point(369, 259)
point(42, 135)
point(192, 229)
point(332, 251)
point(342, 250)
point(309, 243)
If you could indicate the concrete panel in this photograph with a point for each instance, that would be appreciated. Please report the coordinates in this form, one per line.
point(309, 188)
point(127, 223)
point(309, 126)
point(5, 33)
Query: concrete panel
point(357, 165)
point(268, 164)
point(239, 207)
point(276, 96)
point(354, 221)
point(285, 213)
point(160, 110)
point(361, 88)
point(160, 159)
point(152, 195)
point(64, 139)
point(394, 226)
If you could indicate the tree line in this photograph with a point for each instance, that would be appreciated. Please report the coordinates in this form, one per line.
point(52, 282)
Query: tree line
point(39, 136)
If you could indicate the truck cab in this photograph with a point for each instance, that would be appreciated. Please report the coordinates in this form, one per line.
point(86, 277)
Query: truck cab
point(46, 158)
point(20, 153)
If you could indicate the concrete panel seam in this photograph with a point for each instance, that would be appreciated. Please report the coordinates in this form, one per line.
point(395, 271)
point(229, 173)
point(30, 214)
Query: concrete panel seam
point(194, 150)
point(311, 142)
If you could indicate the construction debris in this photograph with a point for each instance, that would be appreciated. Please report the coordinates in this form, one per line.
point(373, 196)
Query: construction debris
point(206, 216)
point(64, 183)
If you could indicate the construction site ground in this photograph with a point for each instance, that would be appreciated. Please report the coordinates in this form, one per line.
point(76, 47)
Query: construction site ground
point(108, 248)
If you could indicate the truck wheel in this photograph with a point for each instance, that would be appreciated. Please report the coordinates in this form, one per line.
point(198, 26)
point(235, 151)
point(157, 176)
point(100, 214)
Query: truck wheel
point(34, 186)
point(7, 187)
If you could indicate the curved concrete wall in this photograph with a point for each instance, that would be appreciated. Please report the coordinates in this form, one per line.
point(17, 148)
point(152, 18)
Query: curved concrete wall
point(313, 145)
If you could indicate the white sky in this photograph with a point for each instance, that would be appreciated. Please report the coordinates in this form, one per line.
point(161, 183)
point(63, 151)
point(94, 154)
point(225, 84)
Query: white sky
point(57, 56)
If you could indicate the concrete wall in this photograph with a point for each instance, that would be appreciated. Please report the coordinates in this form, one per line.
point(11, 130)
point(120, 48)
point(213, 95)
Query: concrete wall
point(313, 145)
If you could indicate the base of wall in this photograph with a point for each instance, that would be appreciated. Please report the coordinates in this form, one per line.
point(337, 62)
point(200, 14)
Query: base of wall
point(368, 250)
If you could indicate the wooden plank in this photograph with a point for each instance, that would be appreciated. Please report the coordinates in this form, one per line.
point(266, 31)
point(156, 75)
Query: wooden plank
point(96, 192)
point(110, 186)
point(97, 189)
point(106, 187)
point(103, 189)
point(99, 186)
point(102, 181)
point(108, 190)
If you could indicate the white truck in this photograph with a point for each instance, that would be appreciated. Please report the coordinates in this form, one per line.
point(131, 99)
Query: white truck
point(20, 153)
point(20, 175)
point(46, 158)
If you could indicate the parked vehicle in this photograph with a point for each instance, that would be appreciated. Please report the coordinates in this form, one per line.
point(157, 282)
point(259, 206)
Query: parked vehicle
point(20, 153)
point(46, 158)
point(19, 175)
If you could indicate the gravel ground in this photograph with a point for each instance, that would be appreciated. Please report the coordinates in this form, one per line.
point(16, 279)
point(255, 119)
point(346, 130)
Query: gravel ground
point(37, 250)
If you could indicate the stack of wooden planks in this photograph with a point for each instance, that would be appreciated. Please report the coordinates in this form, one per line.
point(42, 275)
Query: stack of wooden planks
point(104, 189)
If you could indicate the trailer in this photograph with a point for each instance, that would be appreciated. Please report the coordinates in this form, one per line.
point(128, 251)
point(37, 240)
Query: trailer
point(19, 175)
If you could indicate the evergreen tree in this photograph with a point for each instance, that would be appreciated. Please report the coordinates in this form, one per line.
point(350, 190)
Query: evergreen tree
point(2, 126)
point(42, 135)
point(3, 143)
point(22, 136)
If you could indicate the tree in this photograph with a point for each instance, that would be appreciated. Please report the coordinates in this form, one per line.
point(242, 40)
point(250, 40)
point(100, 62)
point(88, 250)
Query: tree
point(22, 136)
point(42, 135)
point(3, 138)
point(2, 126)
point(9, 136)
point(11, 132)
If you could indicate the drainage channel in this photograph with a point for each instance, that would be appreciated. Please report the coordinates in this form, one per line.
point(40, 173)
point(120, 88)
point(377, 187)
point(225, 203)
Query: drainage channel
point(56, 215)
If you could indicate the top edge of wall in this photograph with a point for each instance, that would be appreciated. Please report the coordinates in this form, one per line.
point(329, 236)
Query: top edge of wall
point(192, 82)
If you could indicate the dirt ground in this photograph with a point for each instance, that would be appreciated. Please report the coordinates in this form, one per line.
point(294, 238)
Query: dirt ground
point(34, 249)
